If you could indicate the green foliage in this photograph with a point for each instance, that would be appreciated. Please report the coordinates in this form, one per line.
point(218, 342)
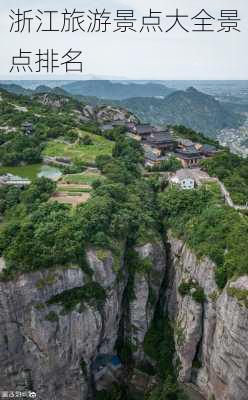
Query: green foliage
point(9, 197)
point(83, 367)
point(103, 160)
point(194, 136)
point(232, 170)
point(125, 352)
point(209, 227)
point(116, 392)
point(169, 165)
point(50, 279)
point(240, 294)
point(52, 316)
point(40, 191)
point(192, 289)
point(86, 139)
point(47, 235)
point(115, 133)
point(21, 148)
point(159, 344)
point(169, 390)
point(92, 293)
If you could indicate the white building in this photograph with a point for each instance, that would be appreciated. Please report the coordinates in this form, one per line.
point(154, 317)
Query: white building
point(183, 179)
point(12, 180)
point(187, 183)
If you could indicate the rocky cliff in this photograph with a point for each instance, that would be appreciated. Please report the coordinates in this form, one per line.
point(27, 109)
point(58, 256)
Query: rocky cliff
point(210, 328)
point(54, 324)
point(59, 328)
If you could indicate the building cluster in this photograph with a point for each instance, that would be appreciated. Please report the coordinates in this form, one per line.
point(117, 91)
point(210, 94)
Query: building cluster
point(159, 145)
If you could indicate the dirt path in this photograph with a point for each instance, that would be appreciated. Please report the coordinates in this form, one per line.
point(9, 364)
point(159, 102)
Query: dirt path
point(73, 186)
point(73, 200)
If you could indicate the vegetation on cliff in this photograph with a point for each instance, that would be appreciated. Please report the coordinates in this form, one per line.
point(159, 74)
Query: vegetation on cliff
point(209, 227)
point(232, 170)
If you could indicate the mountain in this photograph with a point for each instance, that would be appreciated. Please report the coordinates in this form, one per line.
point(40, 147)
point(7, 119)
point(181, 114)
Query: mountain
point(15, 89)
point(116, 91)
point(151, 102)
point(191, 108)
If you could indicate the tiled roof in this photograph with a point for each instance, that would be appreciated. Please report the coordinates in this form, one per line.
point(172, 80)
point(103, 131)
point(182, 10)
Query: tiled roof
point(144, 129)
point(160, 137)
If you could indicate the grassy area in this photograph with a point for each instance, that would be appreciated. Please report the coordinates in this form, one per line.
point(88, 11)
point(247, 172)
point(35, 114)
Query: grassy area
point(27, 171)
point(72, 190)
point(82, 152)
point(86, 178)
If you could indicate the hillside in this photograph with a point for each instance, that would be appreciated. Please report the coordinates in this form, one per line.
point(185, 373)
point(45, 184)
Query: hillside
point(151, 102)
point(190, 108)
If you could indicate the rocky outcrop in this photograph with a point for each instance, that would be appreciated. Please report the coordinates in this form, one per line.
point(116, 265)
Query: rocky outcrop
point(210, 335)
point(110, 113)
point(58, 339)
point(146, 289)
point(104, 114)
point(47, 349)
point(49, 345)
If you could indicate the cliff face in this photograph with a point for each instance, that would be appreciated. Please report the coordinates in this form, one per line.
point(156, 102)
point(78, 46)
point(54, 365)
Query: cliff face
point(210, 335)
point(50, 340)
point(146, 288)
point(51, 349)
point(42, 347)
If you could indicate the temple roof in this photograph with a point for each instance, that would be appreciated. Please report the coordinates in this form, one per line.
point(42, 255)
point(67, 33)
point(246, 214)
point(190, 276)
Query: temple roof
point(160, 137)
point(144, 129)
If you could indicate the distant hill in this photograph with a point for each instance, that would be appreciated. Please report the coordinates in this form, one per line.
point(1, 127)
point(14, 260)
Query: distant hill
point(190, 108)
point(116, 91)
point(15, 89)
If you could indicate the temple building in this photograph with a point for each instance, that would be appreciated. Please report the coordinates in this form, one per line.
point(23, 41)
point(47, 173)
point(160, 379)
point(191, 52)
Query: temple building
point(189, 156)
point(208, 150)
point(163, 141)
point(143, 131)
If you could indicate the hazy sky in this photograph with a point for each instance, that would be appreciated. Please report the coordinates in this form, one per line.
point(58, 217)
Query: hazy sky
point(175, 55)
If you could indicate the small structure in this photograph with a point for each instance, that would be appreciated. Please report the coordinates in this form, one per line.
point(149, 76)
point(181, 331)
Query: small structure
point(183, 178)
point(27, 128)
point(183, 143)
point(187, 183)
point(189, 156)
point(106, 370)
point(12, 180)
point(143, 131)
point(152, 158)
point(107, 127)
point(162, 140)
point(208, 150)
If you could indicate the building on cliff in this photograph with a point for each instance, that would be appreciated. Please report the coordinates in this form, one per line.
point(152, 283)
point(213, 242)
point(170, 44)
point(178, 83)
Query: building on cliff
point(106, 370)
